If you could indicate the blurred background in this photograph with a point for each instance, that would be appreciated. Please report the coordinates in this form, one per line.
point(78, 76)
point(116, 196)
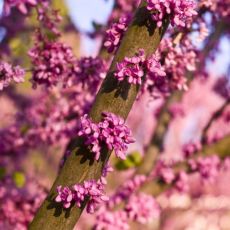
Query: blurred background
point(207, 207)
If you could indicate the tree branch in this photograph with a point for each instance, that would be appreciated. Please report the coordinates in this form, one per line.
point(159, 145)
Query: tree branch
point(217, 114)
point(156, 143)
point(221, 148)
point(113, 97)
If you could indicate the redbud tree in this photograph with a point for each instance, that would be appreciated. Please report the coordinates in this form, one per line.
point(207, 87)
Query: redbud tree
point(135, 137)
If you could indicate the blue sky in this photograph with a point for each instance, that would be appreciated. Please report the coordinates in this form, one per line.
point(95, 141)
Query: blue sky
point(1, 5)
point(83, 12)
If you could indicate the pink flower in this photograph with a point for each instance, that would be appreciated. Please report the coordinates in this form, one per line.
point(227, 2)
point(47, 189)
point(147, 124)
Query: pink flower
point(65, 196)
point(115, 33)
point(111, 131)
point(164, 172)
point(21, 5)
point(142, 208)
point(107, 220)
point(182, 182)
point(8, 73)
point(208, 167)
point(92, 190)
point(89, 72)
point(180, 12)
point(131, 68)
point(52, 63)
point(190, 148)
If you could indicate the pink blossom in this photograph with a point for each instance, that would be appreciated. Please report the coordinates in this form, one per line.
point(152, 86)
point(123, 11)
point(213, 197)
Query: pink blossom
point(21, 5)
point(52, 63)
point(92, 190)
point(115, 33)
point(124, 191)
point(219, 8)
point(19, 205)
point(181, 183)
point(65, 196)
point(131, 68)
point(111, 130)
point(142, 208)
point(48, 17)
point(190, 148)
point(164, 172)
point(208, 167)
point(108, 220)
point(177, 61)
point(89, 72)
point(9, 73)
point(179, 12)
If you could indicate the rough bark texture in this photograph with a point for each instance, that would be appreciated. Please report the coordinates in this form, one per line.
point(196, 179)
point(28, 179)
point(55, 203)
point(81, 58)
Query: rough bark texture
point(113, 97)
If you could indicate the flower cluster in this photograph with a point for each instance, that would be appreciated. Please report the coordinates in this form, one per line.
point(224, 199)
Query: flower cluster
point(48, 17)
point(113, 220)
point(127, 189)
point(164, 172)
point(52, 62)
point(9, 73)
point(131, 68)
point(190, 148)
point(55, 63)
point(115, 33)
point(111, 131)
point(142, 208)
point(218, 8)
point(155, 74)
point(11, 140)
point(181, 182)
point(123, 8)
point(208, 167)
point(56, 117)
point(78, 193)
point(180, 12)
point(139, 207)
point(89, 72)
point(177, 60)
point(18, 205)
point(92, 190)
point(135, 67)
point(21, 5)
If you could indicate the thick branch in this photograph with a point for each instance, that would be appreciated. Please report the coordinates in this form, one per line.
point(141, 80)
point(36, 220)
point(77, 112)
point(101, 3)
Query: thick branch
point(156, 144)
point(113, 97)
point(221, 148)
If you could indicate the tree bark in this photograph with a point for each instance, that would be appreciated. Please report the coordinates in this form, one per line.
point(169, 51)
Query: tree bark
point(116, 97)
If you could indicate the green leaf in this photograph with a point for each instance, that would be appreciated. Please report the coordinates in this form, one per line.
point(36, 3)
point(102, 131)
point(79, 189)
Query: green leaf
point(25, 128)
point(2, 172)
point(19, 179)
point(131, 161)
